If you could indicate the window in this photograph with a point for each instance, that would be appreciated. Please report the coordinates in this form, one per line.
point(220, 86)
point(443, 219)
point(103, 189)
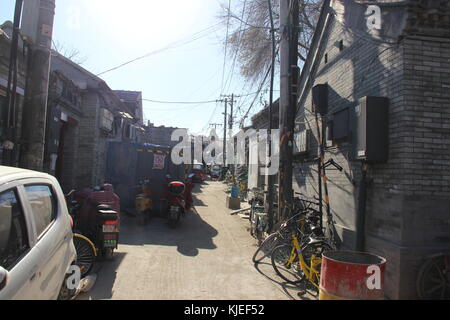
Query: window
point(13, 230)
point(341, 45)
point(43, 206)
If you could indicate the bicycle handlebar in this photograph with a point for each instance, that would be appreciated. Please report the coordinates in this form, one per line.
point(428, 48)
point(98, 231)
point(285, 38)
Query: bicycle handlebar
point(70, 193)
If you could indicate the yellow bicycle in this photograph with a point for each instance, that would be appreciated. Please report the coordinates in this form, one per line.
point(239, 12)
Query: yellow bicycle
point(301, 259)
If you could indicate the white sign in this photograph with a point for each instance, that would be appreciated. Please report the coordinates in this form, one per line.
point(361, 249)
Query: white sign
point(158, 161)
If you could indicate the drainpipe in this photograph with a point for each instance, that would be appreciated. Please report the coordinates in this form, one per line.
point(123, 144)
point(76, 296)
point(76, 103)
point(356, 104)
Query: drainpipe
point(361, 214)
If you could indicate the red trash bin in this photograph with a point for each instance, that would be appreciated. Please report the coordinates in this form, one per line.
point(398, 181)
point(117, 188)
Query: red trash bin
point(350, 275)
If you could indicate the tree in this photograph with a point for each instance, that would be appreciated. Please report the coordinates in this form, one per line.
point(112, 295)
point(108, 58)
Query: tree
point(69, 52)
point(249, 37)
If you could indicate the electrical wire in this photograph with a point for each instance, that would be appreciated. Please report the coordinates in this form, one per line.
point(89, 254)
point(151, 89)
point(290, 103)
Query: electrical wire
point(226, 47)
point(176, 44)
point(179, 102)
point(241, 35)
point(259, 90)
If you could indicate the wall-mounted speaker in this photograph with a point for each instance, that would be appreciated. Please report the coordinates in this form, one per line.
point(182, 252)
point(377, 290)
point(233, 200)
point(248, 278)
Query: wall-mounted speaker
point(320, 98)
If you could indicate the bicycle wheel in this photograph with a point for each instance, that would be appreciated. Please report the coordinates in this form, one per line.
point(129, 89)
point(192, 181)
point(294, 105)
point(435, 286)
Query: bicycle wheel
point(85, 254)
point(291, 273)
point(316, 250)
point(265, 248)
point(433, 282)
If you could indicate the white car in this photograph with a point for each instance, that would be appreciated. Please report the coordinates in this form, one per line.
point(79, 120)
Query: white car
point(36, 246)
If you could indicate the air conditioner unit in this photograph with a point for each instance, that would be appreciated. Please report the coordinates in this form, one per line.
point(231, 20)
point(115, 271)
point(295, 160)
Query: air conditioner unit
point(106, 119)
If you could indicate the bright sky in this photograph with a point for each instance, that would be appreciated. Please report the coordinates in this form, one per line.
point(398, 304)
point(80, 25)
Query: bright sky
point(111, 32)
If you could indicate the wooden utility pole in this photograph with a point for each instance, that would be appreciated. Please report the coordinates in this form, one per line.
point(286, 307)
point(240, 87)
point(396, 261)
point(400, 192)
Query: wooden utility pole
point(215, 125)
point(288, 73)
point(270, 178)
point(37, 25)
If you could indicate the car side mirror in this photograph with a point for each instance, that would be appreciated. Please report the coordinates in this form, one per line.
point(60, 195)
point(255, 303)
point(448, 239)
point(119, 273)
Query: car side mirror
point(3, 278)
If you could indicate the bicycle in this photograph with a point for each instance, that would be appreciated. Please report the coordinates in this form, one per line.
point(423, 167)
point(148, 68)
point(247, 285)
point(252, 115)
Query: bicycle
point(301, 208)
point(301, 259)
point(433, 281)
point(258, 217)
point(84, 247)
point(273, 240)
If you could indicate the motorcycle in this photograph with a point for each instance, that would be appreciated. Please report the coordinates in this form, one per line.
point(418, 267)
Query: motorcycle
point(143, 202)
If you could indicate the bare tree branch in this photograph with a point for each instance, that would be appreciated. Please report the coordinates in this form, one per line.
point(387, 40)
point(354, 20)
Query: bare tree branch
point(69, 52)
point(252, 44)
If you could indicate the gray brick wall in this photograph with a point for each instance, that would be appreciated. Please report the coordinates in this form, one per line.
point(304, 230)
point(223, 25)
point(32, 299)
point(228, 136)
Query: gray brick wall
point(407, 202)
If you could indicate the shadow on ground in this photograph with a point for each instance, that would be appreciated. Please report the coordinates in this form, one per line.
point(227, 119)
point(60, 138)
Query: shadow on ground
point(106, 277)
point(192, 234)
point(302, 291)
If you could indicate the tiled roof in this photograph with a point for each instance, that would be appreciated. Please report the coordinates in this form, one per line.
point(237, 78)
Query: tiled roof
point(128, 95)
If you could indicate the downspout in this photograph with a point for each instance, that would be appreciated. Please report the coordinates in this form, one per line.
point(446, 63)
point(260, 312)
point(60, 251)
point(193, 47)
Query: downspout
point(361, 213)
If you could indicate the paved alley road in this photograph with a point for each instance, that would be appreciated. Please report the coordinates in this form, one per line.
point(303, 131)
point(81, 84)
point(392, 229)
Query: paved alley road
point(207, 257)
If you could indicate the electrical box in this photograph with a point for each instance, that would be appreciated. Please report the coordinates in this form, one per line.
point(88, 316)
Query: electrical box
point(340, 126)
point(371, 135)
point(301, 142)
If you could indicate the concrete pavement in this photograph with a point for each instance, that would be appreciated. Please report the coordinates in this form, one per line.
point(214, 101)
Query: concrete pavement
point(207, 257)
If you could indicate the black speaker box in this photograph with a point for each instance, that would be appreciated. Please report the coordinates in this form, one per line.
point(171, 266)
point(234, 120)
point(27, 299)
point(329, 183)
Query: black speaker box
point(320, 98)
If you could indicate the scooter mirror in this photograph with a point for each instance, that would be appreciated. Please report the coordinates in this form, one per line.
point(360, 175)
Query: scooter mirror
point(168, 176)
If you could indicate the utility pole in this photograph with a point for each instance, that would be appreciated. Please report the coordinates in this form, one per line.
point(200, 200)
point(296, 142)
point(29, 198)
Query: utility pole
point(288, 78)
point(231, 101)
point(37, 25)
point(270, 179)
point(215, 125)
point(230, 122)
point(224, 152)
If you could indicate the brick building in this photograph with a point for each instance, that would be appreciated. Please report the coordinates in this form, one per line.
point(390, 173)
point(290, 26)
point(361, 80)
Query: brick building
point(260, 121)
point(84, 116)
point(133, 100)
point(11, 156)
point(407, 61)
point(160, 135)
point(63, 130)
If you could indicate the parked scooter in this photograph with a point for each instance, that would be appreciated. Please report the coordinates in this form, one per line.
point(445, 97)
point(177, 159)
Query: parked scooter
point(143, 202)
point(96, 219)
point(179, 199)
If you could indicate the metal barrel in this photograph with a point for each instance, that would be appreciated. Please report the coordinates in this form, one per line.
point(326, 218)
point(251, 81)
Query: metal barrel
point(350, 275)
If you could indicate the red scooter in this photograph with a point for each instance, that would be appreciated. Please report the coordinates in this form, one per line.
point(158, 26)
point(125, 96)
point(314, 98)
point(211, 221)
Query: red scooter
point(179, 200)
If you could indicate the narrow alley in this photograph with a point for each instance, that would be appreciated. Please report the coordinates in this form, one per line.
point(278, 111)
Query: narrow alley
point(207, 257)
